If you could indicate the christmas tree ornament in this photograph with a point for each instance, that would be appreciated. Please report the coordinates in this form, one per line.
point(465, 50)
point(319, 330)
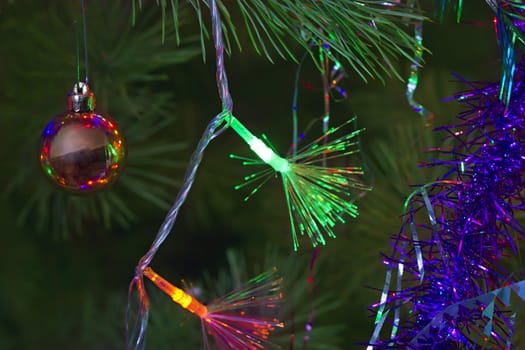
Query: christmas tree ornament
point(458, 286)
point(82, 151)
point(458, 291)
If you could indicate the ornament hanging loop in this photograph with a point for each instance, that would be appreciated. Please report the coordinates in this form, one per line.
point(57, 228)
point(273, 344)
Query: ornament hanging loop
point(81, 99)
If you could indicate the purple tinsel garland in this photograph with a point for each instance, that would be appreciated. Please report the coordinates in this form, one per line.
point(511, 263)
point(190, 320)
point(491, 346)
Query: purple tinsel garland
point(449, 269)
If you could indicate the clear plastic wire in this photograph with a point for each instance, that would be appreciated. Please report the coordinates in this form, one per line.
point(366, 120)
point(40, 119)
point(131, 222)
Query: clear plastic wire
point(295, 121)
point(215, 128)
point(222, 79)
point(137, 338)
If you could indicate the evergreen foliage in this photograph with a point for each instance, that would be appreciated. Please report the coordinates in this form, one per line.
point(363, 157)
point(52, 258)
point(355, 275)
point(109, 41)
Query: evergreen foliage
point(369, 35)
point(70, 294)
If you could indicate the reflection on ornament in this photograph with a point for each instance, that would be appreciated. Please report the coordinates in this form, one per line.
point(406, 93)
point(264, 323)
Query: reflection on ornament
point(81, 150)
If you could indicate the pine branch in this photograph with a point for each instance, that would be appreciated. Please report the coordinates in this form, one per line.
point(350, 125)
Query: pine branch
point(368, 35)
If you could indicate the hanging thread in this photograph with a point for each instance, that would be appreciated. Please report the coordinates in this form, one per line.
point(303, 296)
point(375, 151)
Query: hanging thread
point(85, 40)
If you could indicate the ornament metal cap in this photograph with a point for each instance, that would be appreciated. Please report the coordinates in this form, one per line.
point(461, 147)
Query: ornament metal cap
point(81, 99)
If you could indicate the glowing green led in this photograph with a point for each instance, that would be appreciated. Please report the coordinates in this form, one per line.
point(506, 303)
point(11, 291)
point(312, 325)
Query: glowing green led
point(264, 152)
point(318, 197)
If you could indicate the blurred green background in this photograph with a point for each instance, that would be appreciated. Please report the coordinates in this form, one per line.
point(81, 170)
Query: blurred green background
point(66, 261)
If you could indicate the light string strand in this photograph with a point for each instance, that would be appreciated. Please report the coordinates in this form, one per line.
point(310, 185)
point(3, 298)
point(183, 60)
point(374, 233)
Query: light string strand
point(295, 121)
point(295, 143)
point(215, 128)
point(325, 63)
point(222, 78)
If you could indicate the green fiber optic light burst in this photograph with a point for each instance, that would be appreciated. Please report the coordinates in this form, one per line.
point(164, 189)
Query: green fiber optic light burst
point(318, 197)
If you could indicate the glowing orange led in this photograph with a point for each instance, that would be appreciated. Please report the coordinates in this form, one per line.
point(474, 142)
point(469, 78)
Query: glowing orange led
point(177, 295)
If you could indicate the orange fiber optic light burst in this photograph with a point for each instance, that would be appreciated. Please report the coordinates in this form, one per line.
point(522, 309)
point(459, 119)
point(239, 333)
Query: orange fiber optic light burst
point(234, 321)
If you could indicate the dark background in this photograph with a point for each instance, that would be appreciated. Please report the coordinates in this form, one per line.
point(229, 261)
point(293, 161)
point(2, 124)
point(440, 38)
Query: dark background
point(66, 288)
